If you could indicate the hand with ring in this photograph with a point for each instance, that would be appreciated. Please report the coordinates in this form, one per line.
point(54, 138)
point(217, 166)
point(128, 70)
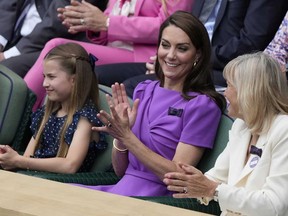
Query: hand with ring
point(82, 21)
point(82, 16)
point(122, 117)
point(189, 183)
point(185, 190)
point(121, 102)
point(109, 124)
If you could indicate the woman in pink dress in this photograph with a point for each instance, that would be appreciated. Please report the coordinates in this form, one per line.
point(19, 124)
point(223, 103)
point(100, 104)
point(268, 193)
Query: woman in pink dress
point(126, 32)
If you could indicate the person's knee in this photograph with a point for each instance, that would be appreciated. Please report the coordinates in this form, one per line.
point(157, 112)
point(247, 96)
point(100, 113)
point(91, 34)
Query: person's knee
point(53, 43)
point(21, 64)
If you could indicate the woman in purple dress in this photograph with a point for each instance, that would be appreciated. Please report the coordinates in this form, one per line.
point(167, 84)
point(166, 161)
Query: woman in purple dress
point(173, 119)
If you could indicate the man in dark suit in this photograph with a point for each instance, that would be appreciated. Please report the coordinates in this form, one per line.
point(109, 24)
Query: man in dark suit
point(30, 46)
point(241, 26)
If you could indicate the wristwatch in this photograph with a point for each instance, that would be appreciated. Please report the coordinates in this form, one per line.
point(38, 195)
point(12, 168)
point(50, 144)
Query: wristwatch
point(215, 196)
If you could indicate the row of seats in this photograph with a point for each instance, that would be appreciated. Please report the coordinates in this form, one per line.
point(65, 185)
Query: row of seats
point(15, 110)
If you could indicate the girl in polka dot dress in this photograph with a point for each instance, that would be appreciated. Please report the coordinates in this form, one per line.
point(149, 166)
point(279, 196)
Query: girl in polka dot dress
point(63, 141)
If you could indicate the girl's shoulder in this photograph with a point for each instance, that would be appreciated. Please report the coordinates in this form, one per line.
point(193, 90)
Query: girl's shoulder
point(89, 111)
point(38, 112)
point(88, 107)
point(36, 118)
point(37, 115)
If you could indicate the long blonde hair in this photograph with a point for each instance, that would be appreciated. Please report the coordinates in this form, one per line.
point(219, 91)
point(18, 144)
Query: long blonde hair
point(74, 59)
point(262, 91)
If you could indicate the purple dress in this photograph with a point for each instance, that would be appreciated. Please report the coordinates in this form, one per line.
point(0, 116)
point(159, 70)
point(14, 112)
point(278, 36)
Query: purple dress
point(164, 119)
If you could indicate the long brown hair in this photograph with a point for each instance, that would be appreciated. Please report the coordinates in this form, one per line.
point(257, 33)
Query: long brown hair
point(74, 60)
point(199, 77)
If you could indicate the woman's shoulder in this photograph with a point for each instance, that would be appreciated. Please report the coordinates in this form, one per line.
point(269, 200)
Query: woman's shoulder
point(280, 124)
point(239, 125)
point(277, 135)
point(202, 101)
point(146, 86)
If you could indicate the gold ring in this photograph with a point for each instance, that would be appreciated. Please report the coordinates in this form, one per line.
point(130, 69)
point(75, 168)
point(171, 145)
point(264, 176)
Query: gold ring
point(185, 190)
point(82, 21)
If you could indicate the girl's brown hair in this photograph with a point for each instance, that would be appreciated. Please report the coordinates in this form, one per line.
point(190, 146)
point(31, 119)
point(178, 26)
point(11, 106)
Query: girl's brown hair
point(74, 60)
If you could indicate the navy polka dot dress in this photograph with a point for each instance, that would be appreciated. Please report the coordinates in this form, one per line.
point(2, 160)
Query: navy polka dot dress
point(49, 145)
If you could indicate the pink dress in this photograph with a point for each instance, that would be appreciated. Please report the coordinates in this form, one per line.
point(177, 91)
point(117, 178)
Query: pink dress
point(131, 38)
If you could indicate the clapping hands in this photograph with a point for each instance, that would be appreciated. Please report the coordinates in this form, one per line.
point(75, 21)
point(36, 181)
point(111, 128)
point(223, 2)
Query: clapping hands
point(190, 183)
point(82, 16)
point(122, 116)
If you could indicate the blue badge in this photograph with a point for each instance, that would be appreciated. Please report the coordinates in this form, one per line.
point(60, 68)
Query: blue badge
point(254, 161)
point(175, 112)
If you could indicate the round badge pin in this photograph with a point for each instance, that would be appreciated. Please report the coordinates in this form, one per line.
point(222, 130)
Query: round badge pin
point(254, 161)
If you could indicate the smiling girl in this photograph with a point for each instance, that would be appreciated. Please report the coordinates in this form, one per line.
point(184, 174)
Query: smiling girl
point(62, 139)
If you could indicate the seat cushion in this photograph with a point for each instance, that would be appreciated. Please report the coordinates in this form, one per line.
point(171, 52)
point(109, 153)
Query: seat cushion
point(13, 95)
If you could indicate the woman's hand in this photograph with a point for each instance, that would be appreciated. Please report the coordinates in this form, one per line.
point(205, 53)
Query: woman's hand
point(8, 157)
point(82, 16)
point(122, 117)
point(120, 101)
point(189, 184)
point(150, 66)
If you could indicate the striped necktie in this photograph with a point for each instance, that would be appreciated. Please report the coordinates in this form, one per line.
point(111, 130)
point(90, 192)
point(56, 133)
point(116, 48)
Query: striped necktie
point(207, 10)
point(24, 10)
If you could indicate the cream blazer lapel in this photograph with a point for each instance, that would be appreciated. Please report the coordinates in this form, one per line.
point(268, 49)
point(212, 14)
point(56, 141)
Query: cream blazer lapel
point(252, 161)
point(238, 154)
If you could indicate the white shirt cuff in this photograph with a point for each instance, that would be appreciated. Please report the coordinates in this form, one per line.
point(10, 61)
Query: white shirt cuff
point(13, 51)
point(3, 41)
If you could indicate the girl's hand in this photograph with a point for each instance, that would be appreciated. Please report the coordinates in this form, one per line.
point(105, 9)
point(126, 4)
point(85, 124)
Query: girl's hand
point(82, 16)
point(8, 157)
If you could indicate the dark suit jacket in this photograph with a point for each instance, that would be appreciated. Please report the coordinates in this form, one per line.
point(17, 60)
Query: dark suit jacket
point(31, 45)
point(9, 13)
point(242, 26)
point(50, 26)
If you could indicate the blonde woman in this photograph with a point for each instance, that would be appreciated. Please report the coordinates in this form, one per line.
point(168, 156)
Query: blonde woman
point(250, 177)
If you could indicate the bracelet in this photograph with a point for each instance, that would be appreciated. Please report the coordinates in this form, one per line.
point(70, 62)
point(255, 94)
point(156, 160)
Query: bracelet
point(215, 196)
point(118, 149)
